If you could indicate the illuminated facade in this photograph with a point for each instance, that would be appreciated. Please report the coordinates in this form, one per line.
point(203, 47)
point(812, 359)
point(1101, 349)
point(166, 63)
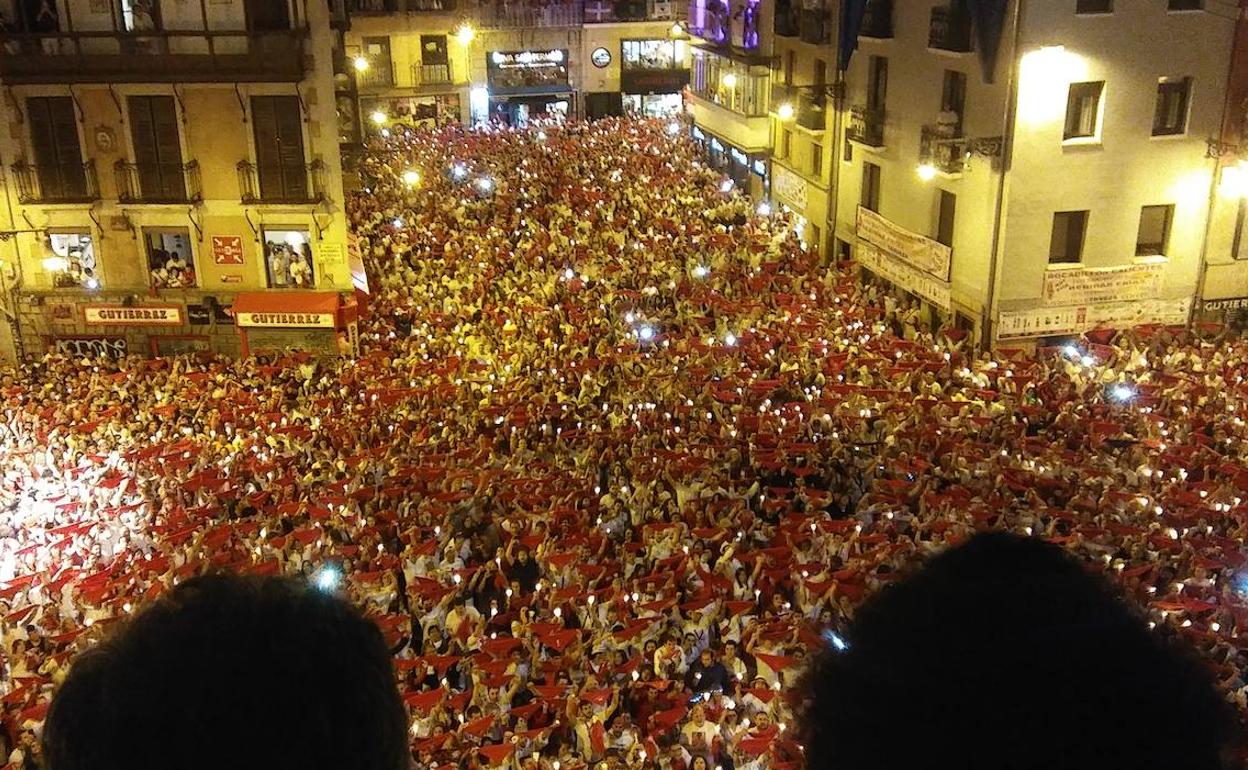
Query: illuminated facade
point(421, 61)
point(1040, 181)
point(164, 160)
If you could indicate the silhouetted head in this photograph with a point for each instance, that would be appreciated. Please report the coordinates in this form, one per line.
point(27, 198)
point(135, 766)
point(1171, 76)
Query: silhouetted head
point(233, 672)
point(1007, 653)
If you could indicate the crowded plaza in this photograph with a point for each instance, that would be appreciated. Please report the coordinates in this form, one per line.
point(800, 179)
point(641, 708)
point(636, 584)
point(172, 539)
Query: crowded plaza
point(619, 454)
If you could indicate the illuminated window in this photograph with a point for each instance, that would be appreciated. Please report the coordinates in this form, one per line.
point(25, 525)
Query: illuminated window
point(1173, 96)
point(72, 260)
point(648, 54)
point(1066, 242)
point(1185, 5)
point(1154, 235)
point(1083, 110)
point(288, 259)
point(170, 260)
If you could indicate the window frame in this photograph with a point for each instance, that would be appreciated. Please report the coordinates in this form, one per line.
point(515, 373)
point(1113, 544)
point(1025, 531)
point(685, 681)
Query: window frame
point(1105, 11)
point(268, 267)
point(81, 232)
point(1085, 216)
point(1097, 119)
point(1167, 85)
point(869, 196)
point(191, 257)
point(1167, 229)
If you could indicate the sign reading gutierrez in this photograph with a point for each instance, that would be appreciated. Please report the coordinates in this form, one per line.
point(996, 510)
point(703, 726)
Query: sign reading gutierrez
point(139, 315)
point(291, 320)
point(932, 257)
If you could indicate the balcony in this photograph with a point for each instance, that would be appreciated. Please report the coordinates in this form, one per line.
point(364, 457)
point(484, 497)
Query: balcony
point(372, 6)
point(950, 30)
point(382, 7)
point(941, 149)
point(497, 15)
point(866, 126)
point(281, 183)
point(168, 56)
point(56, 182)
point(788, 20)
point(809, 105)
point(877, 19)
point(431, 75)
point(379, 75)
point(613, 11)
point(158, 182)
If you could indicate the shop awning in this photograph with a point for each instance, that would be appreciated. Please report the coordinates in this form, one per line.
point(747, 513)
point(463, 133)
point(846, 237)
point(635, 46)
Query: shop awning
point(293, 309)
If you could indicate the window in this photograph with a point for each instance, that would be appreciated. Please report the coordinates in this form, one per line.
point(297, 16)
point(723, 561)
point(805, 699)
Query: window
point(170, 260)
point(847, 152)
point(816, 236)
point(786, 141)
point(870, 187)
point(648, 55)
point(1094, 6)
point(953, 100)
point(844, 252)
point(1083, 110)
point(279, 147)
point(72, 260)
point(1173, 96)
point(288, 259)
point(1154, 236)
point(1066, 243)
point(821, 74)
point(1185, 5)
point(946, 209)
point(877, 83)
point(435, 64)
point(816, 159)
point(790, 61)
point(58, 154)
point(157, 148)
point(380, 70)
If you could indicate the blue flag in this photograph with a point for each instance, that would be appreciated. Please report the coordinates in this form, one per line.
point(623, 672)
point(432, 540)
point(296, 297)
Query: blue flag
point(851, 25)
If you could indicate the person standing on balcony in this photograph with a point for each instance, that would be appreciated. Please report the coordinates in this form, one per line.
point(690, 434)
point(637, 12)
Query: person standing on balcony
point(43, 18)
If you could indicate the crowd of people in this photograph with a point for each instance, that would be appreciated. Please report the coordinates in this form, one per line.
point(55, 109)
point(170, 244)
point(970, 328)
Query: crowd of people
point(618, 455)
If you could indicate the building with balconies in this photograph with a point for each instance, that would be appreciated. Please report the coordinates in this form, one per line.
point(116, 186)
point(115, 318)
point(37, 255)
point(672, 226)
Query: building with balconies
point(469, 61)
point(164, 160)
point(1038, 174)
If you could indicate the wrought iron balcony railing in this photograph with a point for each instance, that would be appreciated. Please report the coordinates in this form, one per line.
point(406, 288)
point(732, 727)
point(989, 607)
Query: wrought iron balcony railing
point(866, 126)
point(56, 182)
point(158, 182)
point(291, 183)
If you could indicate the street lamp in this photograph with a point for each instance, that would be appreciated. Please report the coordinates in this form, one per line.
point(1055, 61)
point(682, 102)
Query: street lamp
point(785, 111)
point(927, 172)
point(360, 63)
point(465, 33)
point(378, 117)
point(730, 80)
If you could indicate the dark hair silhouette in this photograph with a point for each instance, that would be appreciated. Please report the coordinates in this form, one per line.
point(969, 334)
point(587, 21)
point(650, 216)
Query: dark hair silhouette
point(1007, 653)
point(233, 672)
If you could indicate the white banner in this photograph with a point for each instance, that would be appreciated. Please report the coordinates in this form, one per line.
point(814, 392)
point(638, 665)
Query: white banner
point(789, 187)
point(917, 250)
point(138, 315)
point(1093, 285)
point(1056, 321)
point(286, 320)
point(874, 259)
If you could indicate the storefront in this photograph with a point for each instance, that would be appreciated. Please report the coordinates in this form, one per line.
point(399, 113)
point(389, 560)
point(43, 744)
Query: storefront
point(116, 325)
point(525, 85)
point(651, 78)
point(748, 170)
point(426, 110)
point(314, 322)
point(909, 261)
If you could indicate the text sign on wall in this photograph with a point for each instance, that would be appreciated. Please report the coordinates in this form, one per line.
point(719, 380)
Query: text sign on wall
point(919, 251)
point(788, 187)
point(227, 249)
point(1094, 285)
point(286, 320)
point(139, 315)
point(874, 259)
point(1056, 321)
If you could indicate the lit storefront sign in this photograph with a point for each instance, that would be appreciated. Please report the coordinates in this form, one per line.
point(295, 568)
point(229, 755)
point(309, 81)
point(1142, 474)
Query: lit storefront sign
point(521, 72)
point(139, 315)
point(291, 320)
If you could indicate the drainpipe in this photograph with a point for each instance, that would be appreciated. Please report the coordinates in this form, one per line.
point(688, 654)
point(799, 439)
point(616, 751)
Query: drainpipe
point(838, 143)
point(1202, 272)
point(987, 319)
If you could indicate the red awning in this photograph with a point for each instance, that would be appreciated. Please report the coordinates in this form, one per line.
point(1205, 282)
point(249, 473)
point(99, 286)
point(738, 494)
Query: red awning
point(287, 302)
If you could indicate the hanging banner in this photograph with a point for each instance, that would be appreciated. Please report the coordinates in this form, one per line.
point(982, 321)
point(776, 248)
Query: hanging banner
point(1092, 285)
point(851, 25)
point(1057, 321)
point(894, 270)
point(916, 250)
point(788, 187)
point(988, 19)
